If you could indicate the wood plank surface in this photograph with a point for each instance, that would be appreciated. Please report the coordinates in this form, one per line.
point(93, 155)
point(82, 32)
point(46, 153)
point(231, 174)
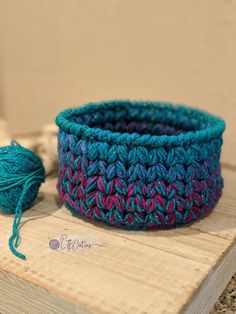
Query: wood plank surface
point(126, 271)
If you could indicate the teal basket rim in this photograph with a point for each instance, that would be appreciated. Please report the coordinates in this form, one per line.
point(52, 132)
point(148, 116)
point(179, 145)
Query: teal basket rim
point(214, 128)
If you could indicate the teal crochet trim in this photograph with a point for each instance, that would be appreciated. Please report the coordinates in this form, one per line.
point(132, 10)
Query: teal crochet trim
point(21, 174)
point(139, 164)
point(200, 125)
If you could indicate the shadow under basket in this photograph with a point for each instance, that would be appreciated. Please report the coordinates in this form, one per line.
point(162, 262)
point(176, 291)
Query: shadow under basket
point(139, 164)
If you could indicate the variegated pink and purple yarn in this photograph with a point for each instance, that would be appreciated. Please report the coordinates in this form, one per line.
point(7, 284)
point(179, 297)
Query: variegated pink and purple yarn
point(139, 164)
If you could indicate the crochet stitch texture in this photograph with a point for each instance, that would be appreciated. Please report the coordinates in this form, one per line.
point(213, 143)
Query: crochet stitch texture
point(139, 164)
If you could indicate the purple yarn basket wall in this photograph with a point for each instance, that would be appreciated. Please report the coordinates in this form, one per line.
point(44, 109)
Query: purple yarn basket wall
point(139, 164)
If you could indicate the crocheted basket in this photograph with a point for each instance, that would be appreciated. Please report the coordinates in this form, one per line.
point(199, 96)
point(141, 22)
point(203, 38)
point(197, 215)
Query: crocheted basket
point(139, 164)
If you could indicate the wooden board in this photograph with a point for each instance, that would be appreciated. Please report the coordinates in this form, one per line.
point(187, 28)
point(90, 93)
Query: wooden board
point(181, 270)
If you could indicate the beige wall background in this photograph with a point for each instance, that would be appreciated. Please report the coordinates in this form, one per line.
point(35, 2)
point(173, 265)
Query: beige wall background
point(60, 53)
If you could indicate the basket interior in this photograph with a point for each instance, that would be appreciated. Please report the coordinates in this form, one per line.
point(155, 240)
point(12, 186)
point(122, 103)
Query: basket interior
point(163, 120)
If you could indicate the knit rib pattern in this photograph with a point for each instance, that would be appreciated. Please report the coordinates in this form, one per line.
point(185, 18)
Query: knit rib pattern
point(139, 164)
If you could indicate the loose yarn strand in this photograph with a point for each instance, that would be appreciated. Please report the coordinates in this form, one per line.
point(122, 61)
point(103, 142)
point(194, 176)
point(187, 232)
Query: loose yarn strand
point(15, 237)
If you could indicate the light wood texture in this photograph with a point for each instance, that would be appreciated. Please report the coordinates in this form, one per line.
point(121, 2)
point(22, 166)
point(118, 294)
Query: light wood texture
point(181, 270)
point(213, 285)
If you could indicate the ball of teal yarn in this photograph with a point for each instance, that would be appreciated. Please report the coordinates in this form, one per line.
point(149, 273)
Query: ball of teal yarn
point(21, 174)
